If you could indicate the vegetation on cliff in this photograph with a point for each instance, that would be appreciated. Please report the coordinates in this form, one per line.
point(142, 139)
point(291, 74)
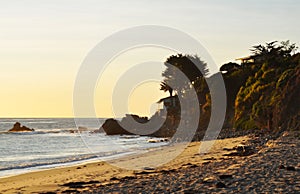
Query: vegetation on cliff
point(262, 92)
point(266, 94)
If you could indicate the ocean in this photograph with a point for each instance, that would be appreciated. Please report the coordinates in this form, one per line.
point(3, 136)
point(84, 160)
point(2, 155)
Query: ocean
point(57, 142)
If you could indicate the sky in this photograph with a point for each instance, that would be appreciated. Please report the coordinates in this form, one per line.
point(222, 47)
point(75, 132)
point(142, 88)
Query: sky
point(43, 44)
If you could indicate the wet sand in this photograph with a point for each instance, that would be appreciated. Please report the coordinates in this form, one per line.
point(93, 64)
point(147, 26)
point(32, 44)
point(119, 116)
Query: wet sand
point(233, 165)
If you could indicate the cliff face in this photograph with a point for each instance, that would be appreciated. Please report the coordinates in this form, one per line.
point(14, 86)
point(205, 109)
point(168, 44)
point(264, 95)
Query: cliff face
point(260, 96)
point(286, 112)
point(233, 82)
point(269, 99)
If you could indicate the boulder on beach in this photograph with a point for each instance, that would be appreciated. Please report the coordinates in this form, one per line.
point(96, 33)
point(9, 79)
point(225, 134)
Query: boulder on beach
point(18, 128)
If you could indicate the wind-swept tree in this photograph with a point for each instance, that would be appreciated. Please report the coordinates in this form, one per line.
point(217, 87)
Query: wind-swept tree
point(274, 53)
point(190, 65)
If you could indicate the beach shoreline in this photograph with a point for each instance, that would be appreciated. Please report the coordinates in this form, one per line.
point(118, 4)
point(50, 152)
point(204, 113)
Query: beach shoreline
point(224, 159)
point(35, 181)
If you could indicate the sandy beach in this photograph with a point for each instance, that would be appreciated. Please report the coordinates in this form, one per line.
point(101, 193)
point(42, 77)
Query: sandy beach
point(233, 165)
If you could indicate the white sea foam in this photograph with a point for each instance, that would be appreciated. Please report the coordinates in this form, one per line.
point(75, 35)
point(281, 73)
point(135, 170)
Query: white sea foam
point(57, 142)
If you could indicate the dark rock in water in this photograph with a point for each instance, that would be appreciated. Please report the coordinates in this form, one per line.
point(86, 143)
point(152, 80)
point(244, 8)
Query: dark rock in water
point(112, 127)
point(18, 128)
point(220, 185)
point(133, 125)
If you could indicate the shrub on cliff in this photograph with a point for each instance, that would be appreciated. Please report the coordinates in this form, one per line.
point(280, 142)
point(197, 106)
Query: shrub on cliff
point(263, 102)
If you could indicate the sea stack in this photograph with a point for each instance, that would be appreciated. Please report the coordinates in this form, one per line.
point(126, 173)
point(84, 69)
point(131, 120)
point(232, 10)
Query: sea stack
point(112, 127)
point(18, 128)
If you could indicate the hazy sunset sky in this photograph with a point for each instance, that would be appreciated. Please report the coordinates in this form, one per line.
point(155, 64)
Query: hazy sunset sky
point(43, 43)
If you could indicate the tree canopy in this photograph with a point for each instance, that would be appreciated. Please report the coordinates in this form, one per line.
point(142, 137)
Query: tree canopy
point(190, 65)
point(274, 53)
point(229, 67)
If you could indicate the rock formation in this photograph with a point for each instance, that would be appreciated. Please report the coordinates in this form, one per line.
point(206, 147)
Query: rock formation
point(112, 127)
point(18, 128)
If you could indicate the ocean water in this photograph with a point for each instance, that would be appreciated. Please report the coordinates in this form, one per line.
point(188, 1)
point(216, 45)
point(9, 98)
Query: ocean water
point(57, 142)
